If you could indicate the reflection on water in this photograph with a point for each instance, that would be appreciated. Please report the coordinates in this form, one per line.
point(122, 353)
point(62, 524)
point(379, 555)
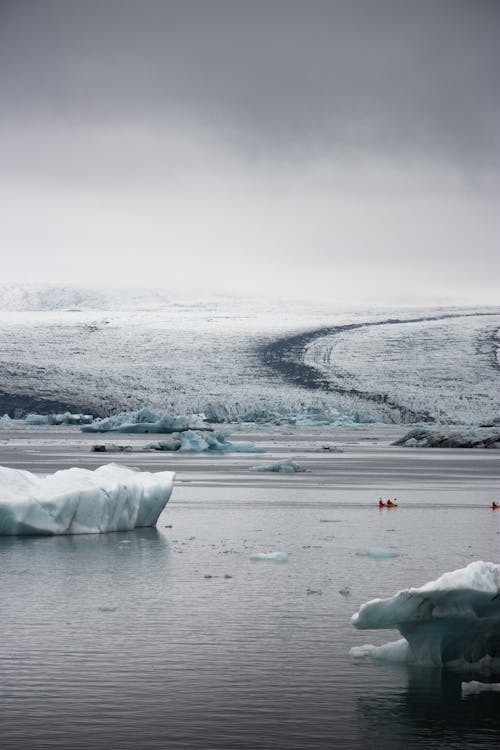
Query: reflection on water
point(430, 712)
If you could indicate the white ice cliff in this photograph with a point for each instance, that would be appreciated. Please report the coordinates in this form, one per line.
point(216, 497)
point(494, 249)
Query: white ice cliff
point(80, 501)
point(452, 621)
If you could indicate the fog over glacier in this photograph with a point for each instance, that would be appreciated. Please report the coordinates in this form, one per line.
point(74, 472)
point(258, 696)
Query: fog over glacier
point(344, 150)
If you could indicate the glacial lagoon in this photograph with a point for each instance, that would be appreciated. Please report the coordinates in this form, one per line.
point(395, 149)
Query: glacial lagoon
point(174, 637)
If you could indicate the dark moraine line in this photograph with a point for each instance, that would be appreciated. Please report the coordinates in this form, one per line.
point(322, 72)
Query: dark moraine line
point(286, 357)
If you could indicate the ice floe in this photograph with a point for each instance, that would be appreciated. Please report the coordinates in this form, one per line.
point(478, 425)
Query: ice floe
point(79, 501)
point(453, 621)
point(378, 553)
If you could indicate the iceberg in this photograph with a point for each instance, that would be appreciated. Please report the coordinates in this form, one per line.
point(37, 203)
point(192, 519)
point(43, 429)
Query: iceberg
point(145, 420)
point(474, 687)
point(478, 437)
point(80, 501)
point(453, 621)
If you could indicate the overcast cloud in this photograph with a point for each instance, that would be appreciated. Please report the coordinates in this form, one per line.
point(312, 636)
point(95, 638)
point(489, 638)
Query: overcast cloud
point(342, 149)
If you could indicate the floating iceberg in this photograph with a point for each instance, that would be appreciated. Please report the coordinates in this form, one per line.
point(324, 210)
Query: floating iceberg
point(79, 501)
point(479, 437)
point(474, 687)
point(453, 621)
point(206, 441)
point(145, 420)
point(287, 466)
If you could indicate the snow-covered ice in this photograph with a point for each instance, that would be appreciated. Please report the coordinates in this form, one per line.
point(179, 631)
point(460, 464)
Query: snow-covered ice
point(452, 621)
point(79, 501)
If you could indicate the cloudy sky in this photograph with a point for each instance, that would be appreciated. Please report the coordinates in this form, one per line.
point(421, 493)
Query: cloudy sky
point(319, 148)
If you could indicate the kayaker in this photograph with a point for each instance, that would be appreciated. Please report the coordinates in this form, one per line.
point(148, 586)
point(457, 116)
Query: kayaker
point(494, 505)
point(381, 503)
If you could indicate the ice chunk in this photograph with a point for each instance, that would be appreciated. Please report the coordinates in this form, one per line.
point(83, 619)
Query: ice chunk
point(454, 620)
point(287, 466)
point(145, 421)
point(79, 501)
point(58, 419)
point(281, 557)
point(474, 687)
point(378, 553)
point(451, 437)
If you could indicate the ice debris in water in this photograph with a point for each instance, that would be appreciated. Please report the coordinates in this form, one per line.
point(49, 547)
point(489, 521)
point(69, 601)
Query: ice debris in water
point(287, 466)
point(474, 687)
point(186, 433)
point(281, 557)
point(345, 591)
point(79, 501)
point(378, 553)
point(452, 621)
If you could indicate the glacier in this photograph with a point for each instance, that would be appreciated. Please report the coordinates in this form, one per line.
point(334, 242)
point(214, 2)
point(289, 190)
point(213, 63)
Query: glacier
point(453, 621)
point(80, 501)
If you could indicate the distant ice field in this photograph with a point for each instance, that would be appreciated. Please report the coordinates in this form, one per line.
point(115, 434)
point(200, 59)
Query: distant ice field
point(102, 356)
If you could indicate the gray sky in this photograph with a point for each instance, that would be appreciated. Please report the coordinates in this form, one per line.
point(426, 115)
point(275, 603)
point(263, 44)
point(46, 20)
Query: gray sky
point(347, 150)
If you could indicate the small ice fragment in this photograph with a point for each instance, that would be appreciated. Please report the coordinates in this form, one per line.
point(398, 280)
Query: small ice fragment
point(287, 466)
point(281, 557)
point(378, 553)
point(226, 575)
point(345, 591)
point(329, 520)
point(309, 592)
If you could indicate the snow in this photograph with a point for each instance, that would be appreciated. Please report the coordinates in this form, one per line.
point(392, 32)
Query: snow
point(287, 466)
point(188, 355)
point(80, 501)
point(452, 621)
